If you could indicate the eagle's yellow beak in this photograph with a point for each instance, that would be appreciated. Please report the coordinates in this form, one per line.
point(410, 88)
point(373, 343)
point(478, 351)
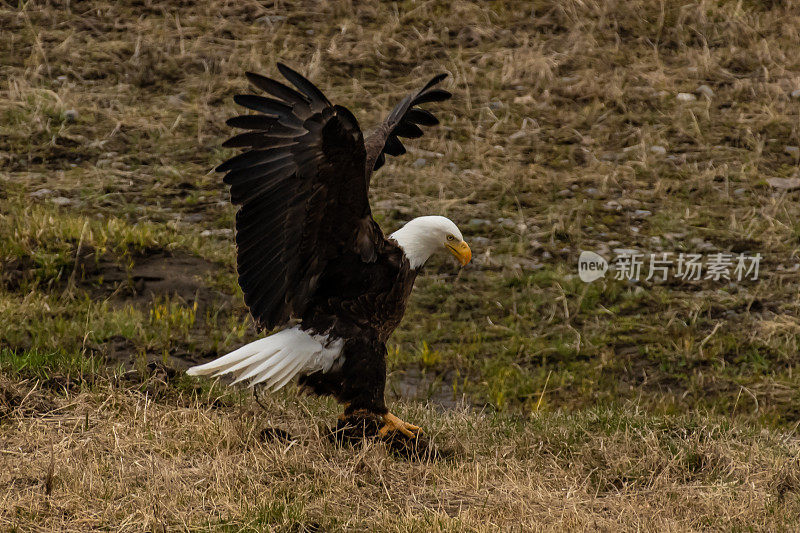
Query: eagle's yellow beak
point(461, 251)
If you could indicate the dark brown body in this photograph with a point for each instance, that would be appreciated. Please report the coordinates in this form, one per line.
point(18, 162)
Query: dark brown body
point(364, 310)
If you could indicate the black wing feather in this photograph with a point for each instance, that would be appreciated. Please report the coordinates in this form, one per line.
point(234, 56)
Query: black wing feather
point(256, 139)
point(434, 95)
point(434, 81)
point(253, 158)
point(394, 146)
point(263, 123)
point(302, 194)
point(408, 129)
point(403, 121)
point(422, 117)
point(269, 106)
point(301, 104)
point(318, 100)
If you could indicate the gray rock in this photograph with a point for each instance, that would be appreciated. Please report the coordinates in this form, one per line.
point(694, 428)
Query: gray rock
point(602, 249)
point(507, 222)
point(565, 193)
point(523, 263)
point(788, 184)
point(269, 20)
point(420, 162)
point(642, 213)
point(625, 251)
point(495, 104)
point(792, 150)
point(739, 191)
point(706, 91)
point(701, 244)
point(686, 97)
point(385, 204)
point(61, 200)
point(658, 150)
point(796, 93)
point(213, 232)
point(611, 156)
point(629, 202)
point(176, 99)
point(71, 115)
point(477, 222)
point(392, 205)
point(479, 241)
point(41, 193)
point(518, 135)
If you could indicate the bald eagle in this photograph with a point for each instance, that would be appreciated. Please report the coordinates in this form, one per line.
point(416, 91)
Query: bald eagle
point(311, 259)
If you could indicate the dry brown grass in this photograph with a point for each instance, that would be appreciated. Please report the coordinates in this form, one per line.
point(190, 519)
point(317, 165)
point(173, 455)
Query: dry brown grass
point(580, 393)
point(119, 459)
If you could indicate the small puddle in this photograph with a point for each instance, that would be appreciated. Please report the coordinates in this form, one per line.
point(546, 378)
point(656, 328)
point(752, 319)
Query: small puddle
point(425, 386)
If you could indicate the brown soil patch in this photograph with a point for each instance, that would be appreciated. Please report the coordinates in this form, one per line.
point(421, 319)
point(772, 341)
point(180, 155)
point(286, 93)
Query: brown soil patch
point(22, 398)
point(155, 273)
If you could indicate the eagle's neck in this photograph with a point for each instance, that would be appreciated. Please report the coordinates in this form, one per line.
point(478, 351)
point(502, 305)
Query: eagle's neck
point(416, 243)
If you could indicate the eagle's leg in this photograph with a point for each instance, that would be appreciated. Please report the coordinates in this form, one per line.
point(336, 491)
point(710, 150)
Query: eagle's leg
point(370, 423)
point(360, 385)
point(392, 423)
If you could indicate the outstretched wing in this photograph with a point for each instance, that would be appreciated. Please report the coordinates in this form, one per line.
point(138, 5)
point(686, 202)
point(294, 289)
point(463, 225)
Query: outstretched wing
point(301, 191)
point(404, 121)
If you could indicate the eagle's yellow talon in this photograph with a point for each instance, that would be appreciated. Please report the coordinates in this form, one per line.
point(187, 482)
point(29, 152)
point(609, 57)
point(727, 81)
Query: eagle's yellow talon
point(392, 423)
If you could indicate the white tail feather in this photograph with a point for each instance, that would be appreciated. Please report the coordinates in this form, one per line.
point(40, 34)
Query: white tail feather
point(276, 359)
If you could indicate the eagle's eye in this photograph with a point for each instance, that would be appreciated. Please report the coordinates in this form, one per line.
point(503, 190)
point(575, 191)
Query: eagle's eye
point(451, 238)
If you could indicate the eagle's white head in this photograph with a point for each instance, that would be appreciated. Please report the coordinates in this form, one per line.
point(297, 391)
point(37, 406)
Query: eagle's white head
point(423, 236)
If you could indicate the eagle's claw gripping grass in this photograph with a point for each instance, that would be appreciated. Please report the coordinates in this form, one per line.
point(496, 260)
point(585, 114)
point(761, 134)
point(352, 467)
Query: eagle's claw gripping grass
point(392, 424)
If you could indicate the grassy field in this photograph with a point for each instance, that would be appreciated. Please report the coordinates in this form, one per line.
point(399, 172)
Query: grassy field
point(561, 405)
